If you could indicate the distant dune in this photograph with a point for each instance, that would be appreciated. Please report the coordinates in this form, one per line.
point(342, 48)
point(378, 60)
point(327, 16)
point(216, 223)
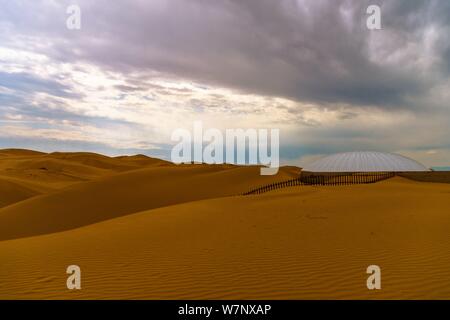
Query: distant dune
point(141, 228)
point(83, 188)
point(20, 153)
point(12, 191)
point(123, 194)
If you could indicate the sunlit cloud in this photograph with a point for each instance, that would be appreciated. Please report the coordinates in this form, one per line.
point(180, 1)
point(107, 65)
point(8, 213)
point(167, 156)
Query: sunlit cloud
point(128, 78)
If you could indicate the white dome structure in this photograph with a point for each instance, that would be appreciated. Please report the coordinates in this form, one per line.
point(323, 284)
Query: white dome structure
point(367, 161)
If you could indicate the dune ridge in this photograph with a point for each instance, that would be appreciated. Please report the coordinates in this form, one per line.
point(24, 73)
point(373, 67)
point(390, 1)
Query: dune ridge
point(141, 228)
point(47, 172)
point(296, 243)
point(12, 192)
point(125, 193)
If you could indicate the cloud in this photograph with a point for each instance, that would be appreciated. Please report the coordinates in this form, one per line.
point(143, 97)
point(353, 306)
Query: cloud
point(29, 83)
point(317, 51)
point(311, 68)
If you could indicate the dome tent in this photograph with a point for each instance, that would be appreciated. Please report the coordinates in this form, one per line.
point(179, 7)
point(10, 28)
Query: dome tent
point(366, 161)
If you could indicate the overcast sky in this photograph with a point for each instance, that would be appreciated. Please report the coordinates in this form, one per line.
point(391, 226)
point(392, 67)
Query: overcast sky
point(137, 70)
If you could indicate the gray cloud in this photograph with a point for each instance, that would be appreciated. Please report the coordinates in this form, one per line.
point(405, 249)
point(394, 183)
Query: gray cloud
point(305, 50)
point(316, 52)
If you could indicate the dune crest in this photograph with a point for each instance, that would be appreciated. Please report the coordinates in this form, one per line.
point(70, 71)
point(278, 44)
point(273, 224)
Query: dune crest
point(44, 173)
point(294, 243)
point(125, 193)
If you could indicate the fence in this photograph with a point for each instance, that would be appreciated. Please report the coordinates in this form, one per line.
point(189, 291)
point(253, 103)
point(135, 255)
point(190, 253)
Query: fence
point(325, 179)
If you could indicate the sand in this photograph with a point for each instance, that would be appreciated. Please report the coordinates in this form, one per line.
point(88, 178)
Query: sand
point(183, 232)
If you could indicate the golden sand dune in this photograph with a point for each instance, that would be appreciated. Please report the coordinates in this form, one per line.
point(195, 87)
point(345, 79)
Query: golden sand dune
point(54, 169)
point(19, 153)
point(296, 243)
point(125, 193)
point(44, 173)
point(77, 165)
point(144, 228)
point(12, 192)
point(118, 164)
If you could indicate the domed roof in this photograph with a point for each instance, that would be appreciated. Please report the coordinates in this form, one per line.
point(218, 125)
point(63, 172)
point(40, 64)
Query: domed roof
point(367, 161)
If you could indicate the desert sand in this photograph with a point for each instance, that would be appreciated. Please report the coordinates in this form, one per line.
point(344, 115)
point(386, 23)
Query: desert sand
point(143, 228)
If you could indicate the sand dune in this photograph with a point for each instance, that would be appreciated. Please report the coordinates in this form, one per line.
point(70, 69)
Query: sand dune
point(126, 193)
point(12, 192)
point(50, 173)
point(297, 243)
point(19, 153)
point(118, 164)
point(144, 228)
point(45, 173)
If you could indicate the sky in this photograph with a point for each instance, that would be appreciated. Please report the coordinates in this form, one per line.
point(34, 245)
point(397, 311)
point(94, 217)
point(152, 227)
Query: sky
point(137, 70)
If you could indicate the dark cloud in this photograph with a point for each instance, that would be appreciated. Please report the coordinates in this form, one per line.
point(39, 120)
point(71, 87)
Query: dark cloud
point(305, 50)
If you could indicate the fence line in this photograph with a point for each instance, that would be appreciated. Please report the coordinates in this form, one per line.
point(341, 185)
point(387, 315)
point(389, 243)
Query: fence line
point(325, 179)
